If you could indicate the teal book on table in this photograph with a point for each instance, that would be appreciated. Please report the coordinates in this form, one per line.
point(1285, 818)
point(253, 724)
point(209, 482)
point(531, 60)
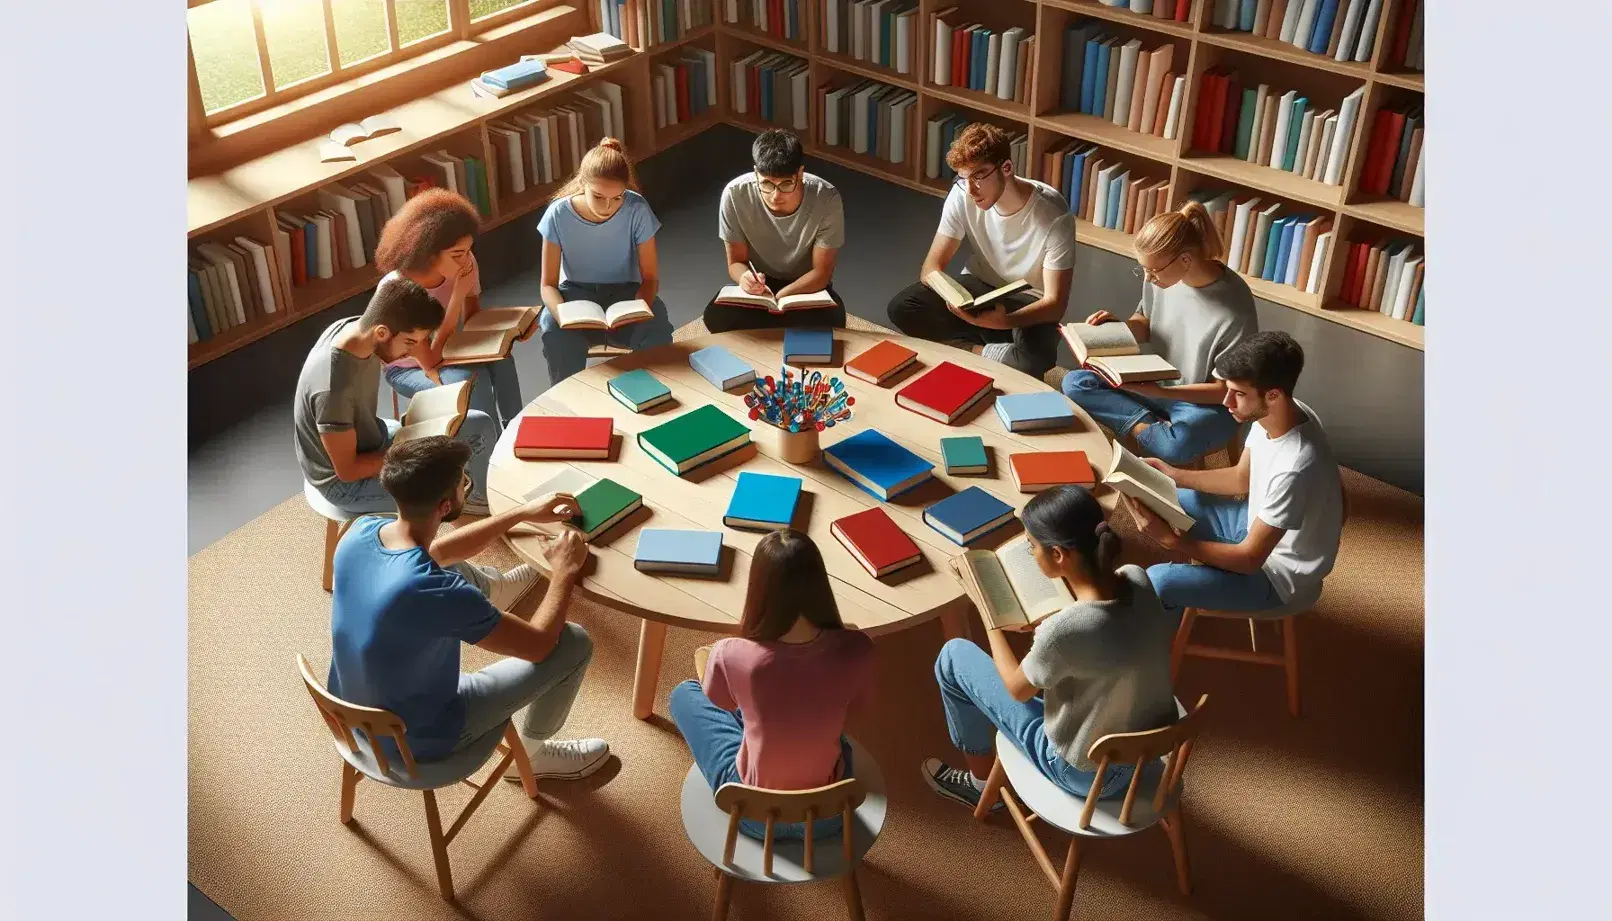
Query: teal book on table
point(964, 455)
point(638, 390)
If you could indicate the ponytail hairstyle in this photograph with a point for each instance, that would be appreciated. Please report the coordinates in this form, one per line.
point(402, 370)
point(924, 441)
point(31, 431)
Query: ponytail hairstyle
point(1068, 517)
point(1188, 229)
point(607, 160)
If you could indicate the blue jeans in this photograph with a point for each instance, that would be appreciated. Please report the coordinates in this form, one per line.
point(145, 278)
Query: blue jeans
point(1221, 519)
point(495, 387)
point(546, 690)
point(977, 704)
point(367, 497)
point(1177, 432)
point(566, 350)
point(713, 736)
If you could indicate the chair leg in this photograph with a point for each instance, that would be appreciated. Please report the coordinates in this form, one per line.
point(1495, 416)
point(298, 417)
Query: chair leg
point(992, 791)
point(332, 535)
point(724, 892)
point(651, 646)
point(853, 896)
point(1290, 662)
point(439, 846)
point(1178, 649)
point(1253, 636)
point(1173, 829)
point(349, 791)
point(523, 762)
point(1066, 883)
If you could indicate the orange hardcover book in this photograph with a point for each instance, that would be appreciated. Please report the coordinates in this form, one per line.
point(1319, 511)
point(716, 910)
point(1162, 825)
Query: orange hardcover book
point(1273, 25)
point(1312, 232)
point(1033, 472)
point(1138, 90)
point(1094, 165)
point(882, 362)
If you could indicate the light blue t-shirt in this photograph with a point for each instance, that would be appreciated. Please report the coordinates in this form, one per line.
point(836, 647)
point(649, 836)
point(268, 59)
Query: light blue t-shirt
point(396, 622)
point(599, 254)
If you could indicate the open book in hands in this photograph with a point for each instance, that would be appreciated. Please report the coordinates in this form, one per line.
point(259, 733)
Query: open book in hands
point(437, 411)
point(955, 295)
point(588, 315)
point(1008, 587)
point(738, 297)
point(1129, 475)
point(489, 335)
point(1111, 350)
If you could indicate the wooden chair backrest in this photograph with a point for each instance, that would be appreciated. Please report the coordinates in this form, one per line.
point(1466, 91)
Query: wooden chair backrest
point(1172, 742)
point(342, 718)
point(773, 806)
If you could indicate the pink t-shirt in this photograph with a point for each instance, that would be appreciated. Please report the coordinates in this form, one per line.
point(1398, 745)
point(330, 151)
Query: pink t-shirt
point(794, 698)
point(443, 293)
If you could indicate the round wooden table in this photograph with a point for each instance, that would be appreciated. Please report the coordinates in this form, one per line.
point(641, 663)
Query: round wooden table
point(698, 501)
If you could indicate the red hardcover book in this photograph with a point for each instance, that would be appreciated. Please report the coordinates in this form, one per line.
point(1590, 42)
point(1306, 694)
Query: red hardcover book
point(960, 45)
point(944, 392)
point(1233, 105)
point(572, 65)
point(1384, 147)
point(775, 17)
point(584, 437)
point(752, 77)
point(299, 256)
point(1200, 118)
point(1182, 8)
point(1217, 113)
point(875, 541)
point(683, 113)
point(1402, 28)
point(1358, 257)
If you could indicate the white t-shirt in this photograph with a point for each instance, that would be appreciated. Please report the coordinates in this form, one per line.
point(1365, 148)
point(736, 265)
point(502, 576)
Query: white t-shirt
point(1293, 484)
point(1016, 246)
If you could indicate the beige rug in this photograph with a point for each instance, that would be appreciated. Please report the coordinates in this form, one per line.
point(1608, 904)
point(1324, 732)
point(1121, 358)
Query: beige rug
point(1319, 817)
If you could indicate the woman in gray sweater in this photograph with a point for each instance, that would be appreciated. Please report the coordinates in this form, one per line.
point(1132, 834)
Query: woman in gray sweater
point(1099, 666)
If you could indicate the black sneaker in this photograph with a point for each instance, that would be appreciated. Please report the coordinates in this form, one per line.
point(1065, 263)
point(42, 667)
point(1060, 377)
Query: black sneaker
point(955, 784)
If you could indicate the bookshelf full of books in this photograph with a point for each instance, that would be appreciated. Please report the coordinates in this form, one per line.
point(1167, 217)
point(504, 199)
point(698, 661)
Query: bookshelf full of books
point(646, 24)
point(879, 34)
point(769, 88)
point(685, 91)
point(786, 21)
point(868, 122)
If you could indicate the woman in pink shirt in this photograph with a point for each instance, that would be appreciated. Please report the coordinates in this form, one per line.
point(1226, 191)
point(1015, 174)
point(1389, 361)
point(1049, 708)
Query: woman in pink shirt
point(428, 240)
point(770, 709)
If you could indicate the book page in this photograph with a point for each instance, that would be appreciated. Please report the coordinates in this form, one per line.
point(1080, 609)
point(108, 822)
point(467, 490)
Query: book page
point(499, 318)
point(572, 313)
point(349, 133)
point(1009, 288)
point(377, 125)
point(1113, 338)
point(733, 294)
point(444, 402)
point(623, 313)
point(436, 425)
point(332, 152)
point(1038, 595)
point(805, 300)
point(997, 603)
point(950, 291)
point(1135, 367)
point(464, 346)
point(1128, 474)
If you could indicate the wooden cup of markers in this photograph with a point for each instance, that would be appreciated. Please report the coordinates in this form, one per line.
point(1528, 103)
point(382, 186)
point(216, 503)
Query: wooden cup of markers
point(796, 447)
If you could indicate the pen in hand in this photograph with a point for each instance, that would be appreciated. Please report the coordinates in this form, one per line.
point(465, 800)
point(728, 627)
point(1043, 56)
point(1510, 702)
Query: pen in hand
point(757, 275)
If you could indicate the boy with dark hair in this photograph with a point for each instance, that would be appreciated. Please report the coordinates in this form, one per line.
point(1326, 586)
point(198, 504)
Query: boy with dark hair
point(1274, 549)
point(1018, 229)
point(782, 228)
point(340, 441)
point(405, 599)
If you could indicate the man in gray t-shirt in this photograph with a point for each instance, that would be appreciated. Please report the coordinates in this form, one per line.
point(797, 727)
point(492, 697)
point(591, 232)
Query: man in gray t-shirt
point(782, 228)
point(340, 442)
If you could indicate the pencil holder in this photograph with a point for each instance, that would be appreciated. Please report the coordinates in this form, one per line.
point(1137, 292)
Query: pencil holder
point(797, 447)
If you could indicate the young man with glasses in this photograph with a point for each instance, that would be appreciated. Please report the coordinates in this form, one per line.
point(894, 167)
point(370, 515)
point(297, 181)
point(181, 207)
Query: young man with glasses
point(782, 228)
point(1017, 229)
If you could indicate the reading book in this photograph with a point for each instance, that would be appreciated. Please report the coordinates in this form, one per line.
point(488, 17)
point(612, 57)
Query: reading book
point(588, 315)
point(1110, 350)
point(1129, 475)
point(882, 362)
point(875, 541)
point(737, 297)
point(489, 335)
point(955, 295)
point(1045, 469)
point(582, 437)
point(944, 392)
point(373, 127)
point(638, 390)
point(436, 411)
point(1009, 588)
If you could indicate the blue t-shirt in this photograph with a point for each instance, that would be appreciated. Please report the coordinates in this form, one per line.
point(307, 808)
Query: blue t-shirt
point(396, 622)
point(599, 254)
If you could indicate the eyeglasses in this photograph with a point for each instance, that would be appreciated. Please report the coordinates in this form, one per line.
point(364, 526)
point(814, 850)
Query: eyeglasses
point(1153, 274)
point(975, 179)
point(777, 188)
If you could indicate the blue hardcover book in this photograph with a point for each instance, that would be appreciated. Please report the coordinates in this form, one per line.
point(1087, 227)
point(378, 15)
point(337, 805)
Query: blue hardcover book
point(1077, 176)
point(1071, 188)
point(962, 517)
point(1044, 409)
point(794, 20)
point(1088, 72)
point(1290, 270)
point(310, 240)
point(1321, 35)
point(878, 465)
point(638, 390)
point(665, 550)
point(1245, 15)
point(1116, 199)
point(517, 76)
point(1099, 90)
point(198, 308)
point(982, 49)
point(1418, 316)
point(762, 502)
point(1300, 105)
point(1284, 249)
point(721, 367)
point(808, 346)
point(1268, 272)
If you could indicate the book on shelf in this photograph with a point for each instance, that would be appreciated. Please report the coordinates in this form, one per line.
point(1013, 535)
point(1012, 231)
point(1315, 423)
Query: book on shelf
point(762, 502)
point(589, 315)
point(955, 295)
point(1288, 249)
point(964, 455)
point(970, 56)
point(563, 437)
point(736, 296)
point(599, 48)
point(520, 75)
point(1033, 472)
point(683, 87)
point(869, 118)
point(1127, 474)
point(1385, 276)
point(878, 465)
point(773, 87)
point(1037, 411)
point(1008, 588)
point(489, 335)
point(785, 19)
point(697, 437)
point(806, 346)
point(435, 411)
point(638, 390)
point(876, 542)
point(881, 362)
point(602, 506)
point(720, 367)
point(691, 553)
point(876, 32)
point(965, 516)
point(1268, 127)
point(1394, 153)
point(945, 392)
point(1345, 30)
point(1100, 190)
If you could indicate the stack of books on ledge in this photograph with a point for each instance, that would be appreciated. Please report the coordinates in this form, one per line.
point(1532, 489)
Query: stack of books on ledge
point(774, 87)
point(970, 56)
point(868, 117)
point(599, 49)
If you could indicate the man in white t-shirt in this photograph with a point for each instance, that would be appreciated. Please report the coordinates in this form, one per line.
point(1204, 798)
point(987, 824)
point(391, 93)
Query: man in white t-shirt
point(1274, 550)
point(1017, 229)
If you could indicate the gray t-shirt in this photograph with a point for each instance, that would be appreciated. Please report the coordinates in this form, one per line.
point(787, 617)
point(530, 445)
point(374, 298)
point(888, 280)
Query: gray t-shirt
point(1104, 667)
point(1192, 327)
point(336, 392)
point(781, 245)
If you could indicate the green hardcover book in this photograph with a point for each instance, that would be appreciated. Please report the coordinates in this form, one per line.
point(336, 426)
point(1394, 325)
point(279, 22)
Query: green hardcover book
point(476, 175)
point(696, 437)
point(1300, 105)
point(1245, 122)
point(602, 505)
point(964, 456)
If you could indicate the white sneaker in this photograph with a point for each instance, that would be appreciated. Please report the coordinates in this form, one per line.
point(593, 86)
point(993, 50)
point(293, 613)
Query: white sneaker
point(511, 586)
point(572, 759)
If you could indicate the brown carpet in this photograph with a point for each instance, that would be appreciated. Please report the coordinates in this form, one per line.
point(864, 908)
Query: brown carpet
point(1319, 817)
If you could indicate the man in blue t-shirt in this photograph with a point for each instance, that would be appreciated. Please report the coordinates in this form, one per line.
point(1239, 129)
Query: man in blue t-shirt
point(402, 606)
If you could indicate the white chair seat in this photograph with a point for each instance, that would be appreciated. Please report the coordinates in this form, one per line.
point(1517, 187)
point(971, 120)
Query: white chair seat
point(429, 775)
point(707, 827)
point(1061, 809)
point(318, 502)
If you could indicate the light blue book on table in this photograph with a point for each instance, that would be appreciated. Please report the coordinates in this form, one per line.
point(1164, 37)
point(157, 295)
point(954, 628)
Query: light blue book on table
point(638, 390)
point(762, 502)
point(664, 550)
point(962, 517)
point(878, 465)
point(1044, 409)
point(721, 367)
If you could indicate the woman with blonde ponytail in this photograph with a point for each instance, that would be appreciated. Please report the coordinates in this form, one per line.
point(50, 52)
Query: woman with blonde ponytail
point(1193, 309)
point(599, 246)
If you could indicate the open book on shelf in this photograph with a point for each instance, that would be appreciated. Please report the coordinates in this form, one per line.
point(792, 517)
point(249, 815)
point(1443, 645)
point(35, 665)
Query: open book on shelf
point(955, 295)
point(489, 335)
point(436, 411)
point(1008, 587)
point(1127, 474)
point(736, 296)
point(588, 315)
point(1111, 350)
point(373, 127)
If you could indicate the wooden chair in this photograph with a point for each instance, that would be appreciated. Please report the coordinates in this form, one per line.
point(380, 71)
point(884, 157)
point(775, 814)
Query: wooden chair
point(336, 524)
point(607, 351)
point(712, 824)
point(1152, 798)
point(362, 757)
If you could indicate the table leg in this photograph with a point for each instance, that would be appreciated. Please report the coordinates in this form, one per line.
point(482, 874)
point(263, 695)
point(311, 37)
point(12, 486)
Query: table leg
point(954, 622)
point(651, 645)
